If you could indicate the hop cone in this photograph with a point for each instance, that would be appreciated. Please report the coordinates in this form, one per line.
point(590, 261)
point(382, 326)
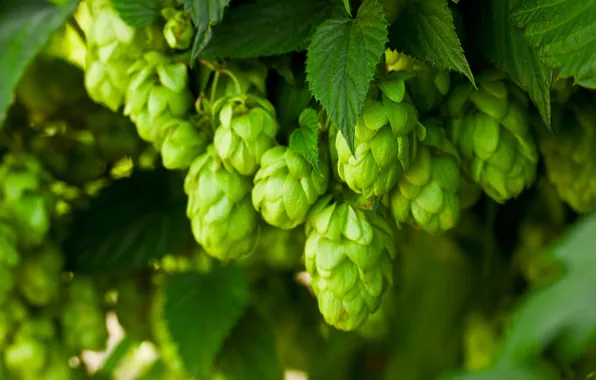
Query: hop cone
point(38, 277)
point(348, 254)
point(178, 31)
point(384, 142)
point(222, 216)
point(286, 186)
point(491, 130)
point(247, 129)
point(27, 196)
point(112, 47)
point(570, 156)
point(157, 100)
point(427, 194)
point(84, 316)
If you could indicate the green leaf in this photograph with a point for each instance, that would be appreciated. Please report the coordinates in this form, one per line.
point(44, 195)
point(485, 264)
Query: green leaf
point(200, 311)
point(205, 14)
point(283, 27)
point(562, 312)
point(250, 351)
point(564, 32)
point(425, 30)
point(305, 140)
point(25, 28)
point(290, 101)
point(347, 6)
point(506, 47)
point(341, 62)
point(137, 13)
point(131, 222)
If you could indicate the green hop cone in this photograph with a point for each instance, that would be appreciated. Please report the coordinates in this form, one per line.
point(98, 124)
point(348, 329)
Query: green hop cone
point(84, 316)
point(427, 193)
point(570, 156)
point(178, 31)
point(490, 128)
point(286, 186)
point(25, 188)
point(220, 209)
point(384, 142)
point(348, 255)
point(247, 129)
point(182, 143)
point(38, 278)
point(158, 91)
point(112, 47)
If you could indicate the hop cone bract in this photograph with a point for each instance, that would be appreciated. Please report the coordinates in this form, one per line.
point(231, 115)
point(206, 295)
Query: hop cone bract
point(490, 128)
point(247, 129)
point(570, 156)
point(222, 216)
point(384, 142)
point(348, 255)
point(286, 186)
point(427, 194)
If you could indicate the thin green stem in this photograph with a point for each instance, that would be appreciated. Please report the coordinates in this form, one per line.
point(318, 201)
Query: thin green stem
point(214, 86)
point(236, 81)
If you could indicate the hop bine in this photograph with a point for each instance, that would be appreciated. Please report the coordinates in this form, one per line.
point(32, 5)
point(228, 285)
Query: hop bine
point(348, 255)
point(490, 128)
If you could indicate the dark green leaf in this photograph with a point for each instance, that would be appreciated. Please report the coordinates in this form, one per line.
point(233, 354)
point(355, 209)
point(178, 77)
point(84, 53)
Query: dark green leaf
point(25, 27)
point(283, 27)
point(250, 351)
point(137, 13)
point(341, 62)
point(505, 46)
point(132, 221)
point(200, 311)
point(564, 32)
point(305, 140)
point(562, 310)
point(425, 30)
point(205, 14)
point(289, 102)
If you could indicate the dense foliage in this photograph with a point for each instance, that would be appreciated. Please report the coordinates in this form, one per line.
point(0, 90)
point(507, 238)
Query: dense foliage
point(375, 189)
